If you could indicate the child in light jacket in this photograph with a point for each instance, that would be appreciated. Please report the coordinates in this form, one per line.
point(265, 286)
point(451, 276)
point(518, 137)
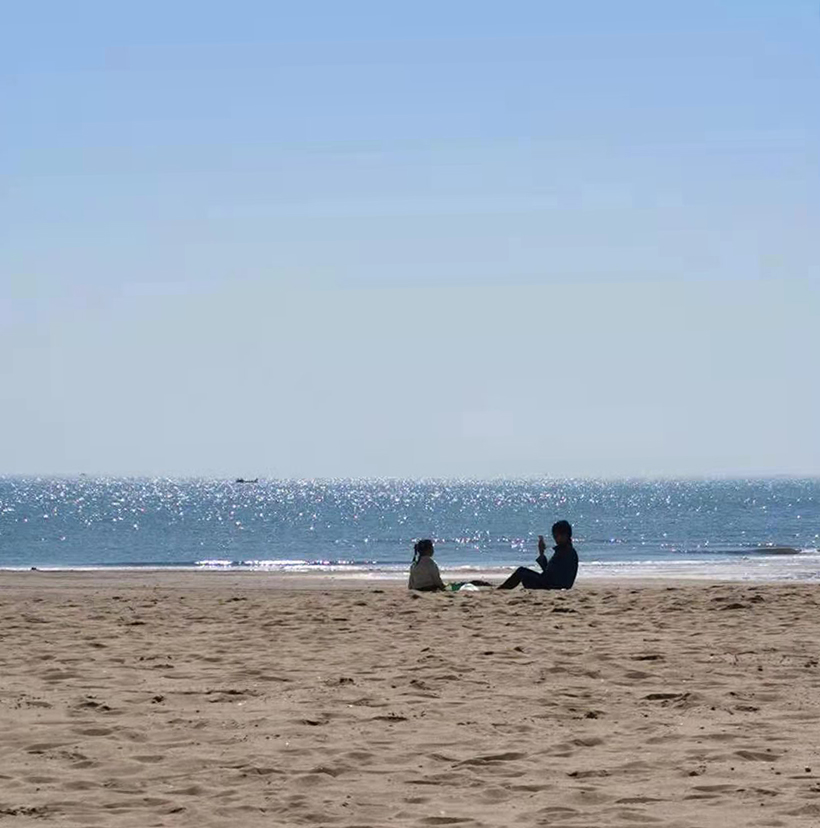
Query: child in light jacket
point(424, 574)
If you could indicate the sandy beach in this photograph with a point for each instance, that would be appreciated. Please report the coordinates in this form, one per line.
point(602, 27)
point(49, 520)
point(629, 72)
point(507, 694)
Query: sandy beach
point(186, 699)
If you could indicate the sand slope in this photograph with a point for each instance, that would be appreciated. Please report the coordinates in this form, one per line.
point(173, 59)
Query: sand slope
point(227, 703)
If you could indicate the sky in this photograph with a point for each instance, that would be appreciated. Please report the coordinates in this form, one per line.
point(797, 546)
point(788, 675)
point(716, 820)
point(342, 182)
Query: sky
point(428, 239)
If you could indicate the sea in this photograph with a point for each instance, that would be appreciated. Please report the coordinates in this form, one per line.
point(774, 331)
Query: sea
point(757, 530)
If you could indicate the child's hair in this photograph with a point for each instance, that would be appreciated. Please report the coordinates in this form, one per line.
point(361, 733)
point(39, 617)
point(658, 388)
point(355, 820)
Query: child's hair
point(422, 548)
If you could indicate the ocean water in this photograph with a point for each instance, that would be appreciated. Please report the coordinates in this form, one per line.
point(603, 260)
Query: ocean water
point(709, 529)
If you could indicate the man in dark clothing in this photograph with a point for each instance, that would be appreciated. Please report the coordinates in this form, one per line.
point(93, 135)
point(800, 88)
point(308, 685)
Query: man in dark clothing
point(556, 573)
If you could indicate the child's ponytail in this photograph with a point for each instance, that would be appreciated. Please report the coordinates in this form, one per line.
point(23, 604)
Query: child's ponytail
point(422, 548)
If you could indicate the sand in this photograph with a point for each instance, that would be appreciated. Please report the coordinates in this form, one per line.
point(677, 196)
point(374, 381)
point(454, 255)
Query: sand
point(205, 700)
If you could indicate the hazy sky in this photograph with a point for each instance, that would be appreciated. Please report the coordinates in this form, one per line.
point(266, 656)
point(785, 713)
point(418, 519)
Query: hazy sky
point(425, 239)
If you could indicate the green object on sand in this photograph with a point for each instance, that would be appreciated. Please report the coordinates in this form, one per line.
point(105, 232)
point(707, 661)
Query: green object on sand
point(469, 586)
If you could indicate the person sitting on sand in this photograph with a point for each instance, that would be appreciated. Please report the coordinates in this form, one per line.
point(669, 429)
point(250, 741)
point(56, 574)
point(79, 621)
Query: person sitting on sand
point(556, 573)
point(424, 574)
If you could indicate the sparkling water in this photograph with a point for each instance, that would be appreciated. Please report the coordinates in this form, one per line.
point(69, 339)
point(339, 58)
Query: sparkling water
point(764, 529)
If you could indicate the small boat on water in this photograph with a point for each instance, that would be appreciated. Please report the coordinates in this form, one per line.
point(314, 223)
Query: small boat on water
point(242, 480)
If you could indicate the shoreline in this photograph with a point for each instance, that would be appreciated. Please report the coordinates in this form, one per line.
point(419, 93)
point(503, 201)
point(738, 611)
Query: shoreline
point(319, 581)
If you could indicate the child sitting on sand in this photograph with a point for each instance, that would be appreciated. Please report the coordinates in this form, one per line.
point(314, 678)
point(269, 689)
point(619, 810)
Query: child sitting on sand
point(424, 574)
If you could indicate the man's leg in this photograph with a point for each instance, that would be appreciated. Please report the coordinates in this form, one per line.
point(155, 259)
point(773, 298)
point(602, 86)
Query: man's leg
point(533, 580)
point(525, 577)
point(514, 580)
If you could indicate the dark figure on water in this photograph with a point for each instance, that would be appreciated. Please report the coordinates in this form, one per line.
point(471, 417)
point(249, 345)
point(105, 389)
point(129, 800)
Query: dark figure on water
point(556, 573)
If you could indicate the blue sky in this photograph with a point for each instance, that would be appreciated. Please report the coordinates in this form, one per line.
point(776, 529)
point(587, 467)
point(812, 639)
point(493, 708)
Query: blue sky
point(441, 239)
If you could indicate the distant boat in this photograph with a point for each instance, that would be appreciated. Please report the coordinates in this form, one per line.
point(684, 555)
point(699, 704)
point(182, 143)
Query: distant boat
point(242, 480)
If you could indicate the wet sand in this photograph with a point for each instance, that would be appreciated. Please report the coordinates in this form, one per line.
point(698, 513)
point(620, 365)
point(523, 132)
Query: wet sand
point(195, 699)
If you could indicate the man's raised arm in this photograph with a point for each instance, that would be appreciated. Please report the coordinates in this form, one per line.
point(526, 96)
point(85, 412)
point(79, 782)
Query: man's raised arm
point(541, 560)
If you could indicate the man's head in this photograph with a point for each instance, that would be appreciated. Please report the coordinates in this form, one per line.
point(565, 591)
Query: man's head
point(562, 532)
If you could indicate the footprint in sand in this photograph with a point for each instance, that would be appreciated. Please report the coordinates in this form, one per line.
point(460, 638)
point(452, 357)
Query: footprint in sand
point(94, 731)
point(493, 758)
point(80, 785)
point(757, 756)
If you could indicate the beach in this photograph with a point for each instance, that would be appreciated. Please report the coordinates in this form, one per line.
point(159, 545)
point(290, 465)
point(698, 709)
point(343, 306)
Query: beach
point(251, 699)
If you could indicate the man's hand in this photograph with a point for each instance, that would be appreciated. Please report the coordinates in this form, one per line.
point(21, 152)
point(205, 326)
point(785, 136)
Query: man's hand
point(541, 560)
